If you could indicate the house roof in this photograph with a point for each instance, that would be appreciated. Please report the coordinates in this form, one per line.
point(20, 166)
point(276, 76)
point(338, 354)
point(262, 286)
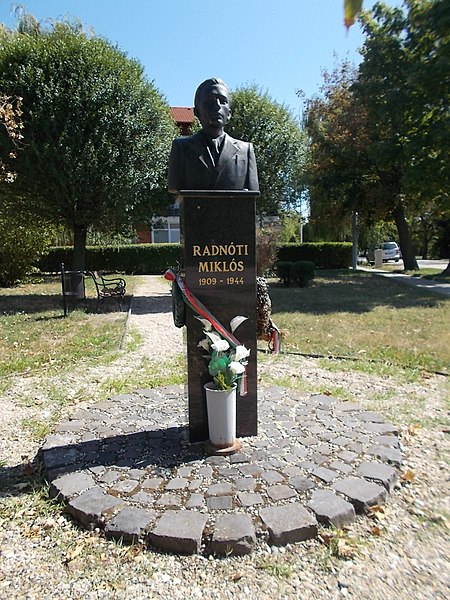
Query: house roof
point(182, 114)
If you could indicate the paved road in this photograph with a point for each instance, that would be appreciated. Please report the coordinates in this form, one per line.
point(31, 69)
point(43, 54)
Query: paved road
point(434, 286)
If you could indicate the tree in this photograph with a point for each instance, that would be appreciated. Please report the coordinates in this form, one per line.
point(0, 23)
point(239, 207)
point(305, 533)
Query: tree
point(279, 146)
point(339, 174)
point(404, 85)
point(10, 119)
point(96, 133)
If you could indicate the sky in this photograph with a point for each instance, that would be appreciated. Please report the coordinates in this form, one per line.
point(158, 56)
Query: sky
point(280, 45)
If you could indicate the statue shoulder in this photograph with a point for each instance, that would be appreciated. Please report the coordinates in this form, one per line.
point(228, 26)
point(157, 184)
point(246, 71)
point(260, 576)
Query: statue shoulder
point(187, 140)
point(241, 143)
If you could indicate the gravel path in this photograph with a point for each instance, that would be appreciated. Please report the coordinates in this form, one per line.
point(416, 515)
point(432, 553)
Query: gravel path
point(400, 553)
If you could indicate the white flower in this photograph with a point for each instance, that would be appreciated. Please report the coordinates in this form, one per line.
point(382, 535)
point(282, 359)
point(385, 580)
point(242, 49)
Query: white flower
point(234, 323)
point(212, 336)
point(241, 352)
point(220, 345)
point(236, 368)
point(205, 344)
point(206, 324)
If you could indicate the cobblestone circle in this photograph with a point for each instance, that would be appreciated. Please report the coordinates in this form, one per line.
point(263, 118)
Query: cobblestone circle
point(126, 466)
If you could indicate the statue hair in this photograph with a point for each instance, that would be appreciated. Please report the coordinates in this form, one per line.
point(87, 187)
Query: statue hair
point(208, 83)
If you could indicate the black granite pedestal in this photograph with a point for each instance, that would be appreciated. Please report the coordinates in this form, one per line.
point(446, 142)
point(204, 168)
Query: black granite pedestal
point(218, 231)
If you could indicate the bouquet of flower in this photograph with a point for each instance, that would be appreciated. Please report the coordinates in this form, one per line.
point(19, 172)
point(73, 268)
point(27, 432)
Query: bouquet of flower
point(226, 362)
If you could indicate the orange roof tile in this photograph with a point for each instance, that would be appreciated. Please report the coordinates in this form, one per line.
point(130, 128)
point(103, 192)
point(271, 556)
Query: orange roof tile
point(182, 114)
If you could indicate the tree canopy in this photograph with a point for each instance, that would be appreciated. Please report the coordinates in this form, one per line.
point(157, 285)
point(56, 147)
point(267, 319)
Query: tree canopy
point(379, 139)
point(96, 133)
point(280, 146)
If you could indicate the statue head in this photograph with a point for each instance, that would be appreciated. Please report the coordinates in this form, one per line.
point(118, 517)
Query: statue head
point(212, 105)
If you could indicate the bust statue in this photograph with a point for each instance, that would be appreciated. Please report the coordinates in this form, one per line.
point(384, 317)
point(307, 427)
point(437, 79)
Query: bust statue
point(211, 159)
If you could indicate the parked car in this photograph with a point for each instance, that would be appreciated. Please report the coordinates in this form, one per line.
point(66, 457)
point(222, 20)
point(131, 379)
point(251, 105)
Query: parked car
point(391, 251)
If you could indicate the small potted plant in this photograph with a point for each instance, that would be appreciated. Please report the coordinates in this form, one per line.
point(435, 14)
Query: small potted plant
point(226, 365)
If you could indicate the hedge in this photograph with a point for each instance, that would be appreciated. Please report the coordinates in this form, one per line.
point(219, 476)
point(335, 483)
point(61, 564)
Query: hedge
point(300, 272)
point(139, 259)
point(324, 255)
point(153, 259)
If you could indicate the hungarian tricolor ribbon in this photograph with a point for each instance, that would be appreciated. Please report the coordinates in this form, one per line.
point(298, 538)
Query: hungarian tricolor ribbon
point(198, 307)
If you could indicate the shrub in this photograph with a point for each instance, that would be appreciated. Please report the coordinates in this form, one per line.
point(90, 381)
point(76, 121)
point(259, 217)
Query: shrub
point(324, 255)
point(266, 250)
point(299, 272)
point(138, 259)
point(302, 271)
point(20, 246)
point(283, 269)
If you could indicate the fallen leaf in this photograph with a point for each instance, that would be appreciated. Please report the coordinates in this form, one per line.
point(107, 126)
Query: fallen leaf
point(377, 530)
point(72, 554)
point(408, 475)
point(413, 428)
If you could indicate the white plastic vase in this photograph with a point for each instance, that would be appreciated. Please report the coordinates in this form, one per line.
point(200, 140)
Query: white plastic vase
point(221, 407)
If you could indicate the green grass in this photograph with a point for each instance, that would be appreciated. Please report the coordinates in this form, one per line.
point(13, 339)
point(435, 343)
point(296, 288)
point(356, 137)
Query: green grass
point(361, 315)
point(35, 336)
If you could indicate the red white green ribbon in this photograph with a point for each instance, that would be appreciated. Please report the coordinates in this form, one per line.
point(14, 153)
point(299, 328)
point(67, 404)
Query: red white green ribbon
point(198, 307)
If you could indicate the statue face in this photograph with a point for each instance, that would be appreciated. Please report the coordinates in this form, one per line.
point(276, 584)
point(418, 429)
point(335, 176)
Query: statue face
point(214, 108)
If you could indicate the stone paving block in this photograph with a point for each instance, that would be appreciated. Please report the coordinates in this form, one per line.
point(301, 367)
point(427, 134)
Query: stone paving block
point(288, 524)
point(219, 503)
point(292, 471)
point(61, 456)
point(129, 524)
point(233, 535)
point(57, 441)
point(381, 473)
point(331, 509)
point(220, 489)
point(143, 498)
point(393, 456)
point(342, 407)
point(319, 459)
point(245, 484)
point(324, 474)
point(205, 471)
point(169, 500)
point(195, 484)
point(179, 531)
point(361, 493)
point(250, 498)
point(382, 428)
point(68, 485)
point(195, 501)
point(301, 484)
point(347, 456)
point(272, 477)
point(371, 417)
point(125, 487)
point(307, 441)
point(178, 483)
point(340, 441)
point(387, 440)
point(239, 457)
point(184, 471)
point(137, 473)
point(152, 483)
point(341, 467)
point(91, 506)
point(251, 469)
point(280, 492)
point(70, 426)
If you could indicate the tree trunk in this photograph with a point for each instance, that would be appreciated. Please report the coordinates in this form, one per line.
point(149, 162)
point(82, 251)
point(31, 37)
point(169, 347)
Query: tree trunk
point(409, 258)
point(79, 247)
point(354, 240)
point(446, 271)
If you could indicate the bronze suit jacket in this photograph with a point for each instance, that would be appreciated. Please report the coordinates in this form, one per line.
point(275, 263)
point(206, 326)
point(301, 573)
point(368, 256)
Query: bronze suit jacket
point(191, 168)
